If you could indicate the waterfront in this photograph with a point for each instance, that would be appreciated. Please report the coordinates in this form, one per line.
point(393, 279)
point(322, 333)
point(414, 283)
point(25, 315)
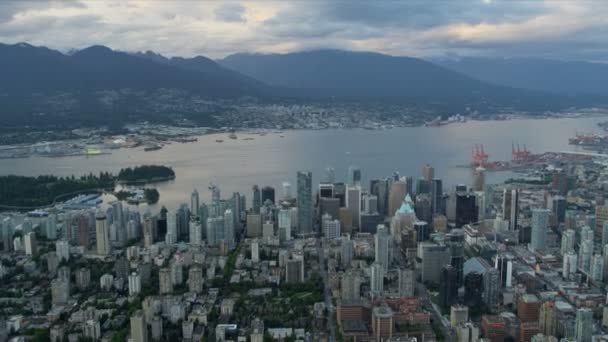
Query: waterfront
point(235, 165)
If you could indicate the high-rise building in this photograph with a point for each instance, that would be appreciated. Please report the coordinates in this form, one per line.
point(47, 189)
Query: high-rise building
point(31, 245)
point(504, 265)
point(583, 325)
point(331, 227)
point(568, 241)
point(510, 207)
point(194, 203)
point(382, 323)
point(134, 284)
point(304, 201)
point(102, 234)
point(547, 320)
point(479, 179)
point(381, 247)
point(354, 175)
point(268, 194)
point(397, 193)
point(491, 288)
point(350, 286)
point(528, 308)
point(448, 286)
point(353, 203)
point(437, 196)
point(165, 281)
point(597, 268)
point(83, 278)
point(570, 264)
point(379, 188)
point(428, 172)
point(585, 254)
point(601, 216)
point(473, 289)
point(229, 230)
point(540, 221)
point(294, 270)
point(195, 235)
point(257, 199)
point(195, 279)
point(455, 242)
point(347, 247)
point(139, 328)
point(407, 282)
point(171, 236)
point(458, 314)
point(284, 223)
point(377, 279)
point(60, 291)
point(466, 210)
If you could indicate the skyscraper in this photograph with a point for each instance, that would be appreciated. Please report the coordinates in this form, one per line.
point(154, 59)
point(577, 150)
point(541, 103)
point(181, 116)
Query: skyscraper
point(353, 203)
point(547, 319)
point(379, 187)
point(396, 195)
point(407, 282)
point(568, 241)
point(479, 179)
point(377, 280)
point(171, 236)
point(139, 328)
point(601, 216)
point(229, 231)
point(102, 234)
point(436, 196)
point(381, 245)
point(284, 223)
point(455, 242)
point(257, 199)
point(540, 220)
point(304, 201)
point(331, 227)
point(194, 203)
point(350, 286)
point(354, 175)
point(428, 172)
point(473, 289)
point(510, 207)
point(448, 286)
point(583, 326)
point(268, 194)
point(165, 281)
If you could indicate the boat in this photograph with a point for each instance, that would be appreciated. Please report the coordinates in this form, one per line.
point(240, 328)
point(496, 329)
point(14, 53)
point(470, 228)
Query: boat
point(282, 136)
point(248, 138)
point(152, 148)
point(219, 140)
point(232, 135)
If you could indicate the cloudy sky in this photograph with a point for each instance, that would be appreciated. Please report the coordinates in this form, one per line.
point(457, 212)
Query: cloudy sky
point(563, 29)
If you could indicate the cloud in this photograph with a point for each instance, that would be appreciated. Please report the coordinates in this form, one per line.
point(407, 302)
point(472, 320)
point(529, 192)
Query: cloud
point(230, 12)
point(547, 28)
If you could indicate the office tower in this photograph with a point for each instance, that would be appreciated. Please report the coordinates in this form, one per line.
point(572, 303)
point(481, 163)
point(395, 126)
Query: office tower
point(423, 186)
point(423, 231)
point(134, 284)
point(102, 234)
point(346, 220)
point(455, 242)
point(601, 216)
point(458, 314)
point(370, 204)
point(347, 252)
point(268, 194)
point(257, 199)
point(605, 233)
point(284, 223)
point(50, 227)
point(559, 208)
point(329, 205)
point(62, 248)
point(568, 241)
point(605, 253)
point(381, 247)
point(407, 282)
point(171, 236)
point(326, 190)
point(597, 268)
point(350, 286)
point(584, 256)
point(304, 201)
point(139, 328)
point(177, 271)
point(479, 179)
point(286, 191)
point(148, 230)
point(448, 286)
point(294, 271)
point(587, 234)
point(423, 207)
point(196, 233)
point(473, 289)
point(255, 251)
point(254, 225)
point(570, 264)
point(60, 291)
point(354, 175)
point(547, 320)
point(228, 235)
point(215, 230)
point(528, 308)
point(540, 221)
point(268, 230)
point(466, 209)
point(382, 323)
point(377, 280)
point(433, 258)
point(194, 203)
point(331, 227)
point(583, 325)
point(195, 279)
point(379, 188)
point(504, 265)
point(353, 203)
point(493, 328)
point(31, 245)
point(83, 278)
point(510, 207)
point(436, 196)
point(428, 172)
point(165, 281)
point(330, 175)
point(396, 195)
point(491, 288)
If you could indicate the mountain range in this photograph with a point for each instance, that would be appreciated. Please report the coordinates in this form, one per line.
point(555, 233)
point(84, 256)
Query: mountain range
point(36, 80)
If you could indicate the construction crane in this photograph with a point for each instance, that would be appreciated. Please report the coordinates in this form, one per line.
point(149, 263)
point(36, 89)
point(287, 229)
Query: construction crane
point(479, 156)
point(518, 154)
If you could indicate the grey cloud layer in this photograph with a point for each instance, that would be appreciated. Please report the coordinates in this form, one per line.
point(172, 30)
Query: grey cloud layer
point(547, 28)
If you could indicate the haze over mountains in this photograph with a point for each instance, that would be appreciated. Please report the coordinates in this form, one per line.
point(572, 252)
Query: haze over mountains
point(98, 82)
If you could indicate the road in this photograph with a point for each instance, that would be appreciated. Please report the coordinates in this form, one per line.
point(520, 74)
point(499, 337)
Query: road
point(328, 303)
point(437, 317)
